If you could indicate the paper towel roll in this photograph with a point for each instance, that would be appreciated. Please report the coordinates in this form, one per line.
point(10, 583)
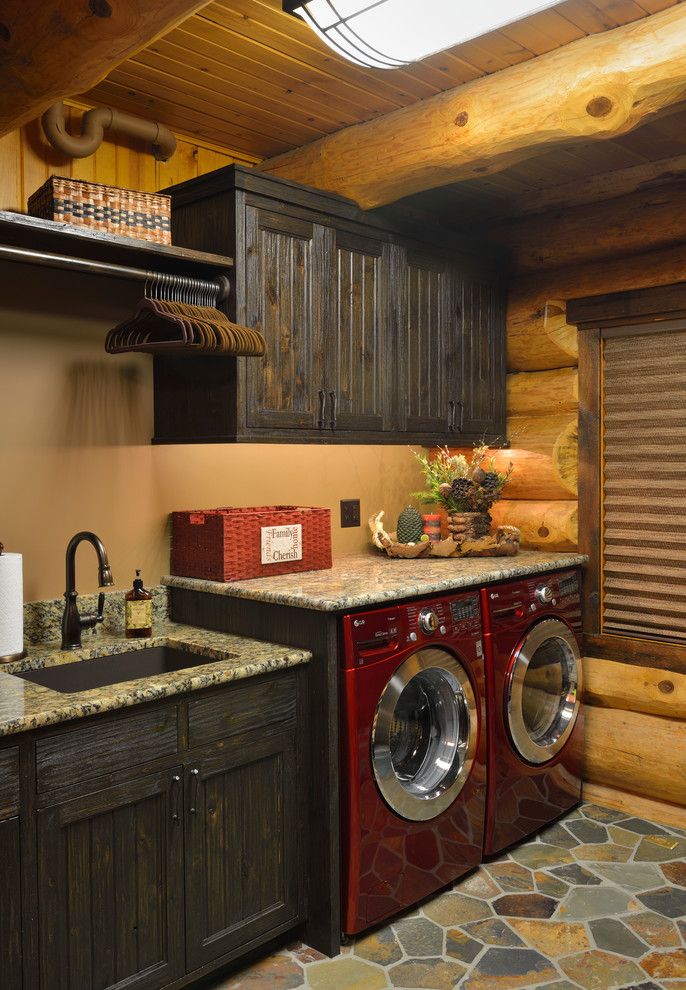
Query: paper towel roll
point(11, 605)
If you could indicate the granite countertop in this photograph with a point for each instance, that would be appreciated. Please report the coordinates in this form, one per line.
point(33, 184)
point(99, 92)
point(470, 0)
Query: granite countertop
point(360, 580)
point(24, 705)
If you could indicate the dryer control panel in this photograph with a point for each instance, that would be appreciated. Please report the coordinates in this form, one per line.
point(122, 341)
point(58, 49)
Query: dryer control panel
point(370, 636)
point(531, 598)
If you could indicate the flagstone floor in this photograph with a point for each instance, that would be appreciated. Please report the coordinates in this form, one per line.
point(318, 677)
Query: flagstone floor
point(596, 901)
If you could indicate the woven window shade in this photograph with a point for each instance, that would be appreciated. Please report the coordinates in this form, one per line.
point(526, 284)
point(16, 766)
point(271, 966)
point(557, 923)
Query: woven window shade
point(644, 486)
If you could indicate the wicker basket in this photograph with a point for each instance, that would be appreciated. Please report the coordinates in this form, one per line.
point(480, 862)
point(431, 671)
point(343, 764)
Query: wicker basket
point(234, 544)
point(107, 208)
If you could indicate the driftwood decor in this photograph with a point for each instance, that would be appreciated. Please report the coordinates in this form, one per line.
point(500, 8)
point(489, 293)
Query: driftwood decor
point(504, 542)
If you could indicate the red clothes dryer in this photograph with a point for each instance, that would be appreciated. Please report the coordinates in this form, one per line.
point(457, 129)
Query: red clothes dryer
point(535, 724)
point(413, 754)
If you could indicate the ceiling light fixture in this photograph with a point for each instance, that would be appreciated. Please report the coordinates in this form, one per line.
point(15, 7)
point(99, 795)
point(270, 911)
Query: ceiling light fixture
point(387, 34)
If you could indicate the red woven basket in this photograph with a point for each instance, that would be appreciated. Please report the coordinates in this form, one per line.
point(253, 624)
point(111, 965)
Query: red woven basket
point(227, 544)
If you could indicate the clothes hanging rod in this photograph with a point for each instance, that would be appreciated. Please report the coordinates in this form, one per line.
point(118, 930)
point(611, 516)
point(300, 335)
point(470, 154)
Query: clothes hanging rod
point(48, 260)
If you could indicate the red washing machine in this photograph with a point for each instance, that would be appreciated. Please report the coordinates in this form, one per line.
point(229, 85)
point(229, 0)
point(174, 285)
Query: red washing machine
point(535, 724)
point(413, 754)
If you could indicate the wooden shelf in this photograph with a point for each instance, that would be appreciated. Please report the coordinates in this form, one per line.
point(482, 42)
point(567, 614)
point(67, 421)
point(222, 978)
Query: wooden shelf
point(49, 236)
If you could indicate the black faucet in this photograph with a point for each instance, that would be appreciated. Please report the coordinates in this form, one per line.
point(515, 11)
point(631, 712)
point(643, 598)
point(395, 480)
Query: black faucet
point(72, 622)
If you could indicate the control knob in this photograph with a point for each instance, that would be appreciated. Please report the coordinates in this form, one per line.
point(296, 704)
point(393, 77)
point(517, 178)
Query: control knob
point(544, 594)
point(428, 621)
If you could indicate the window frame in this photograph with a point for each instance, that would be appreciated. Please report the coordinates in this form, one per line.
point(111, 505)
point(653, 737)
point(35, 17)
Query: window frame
point(623, 314)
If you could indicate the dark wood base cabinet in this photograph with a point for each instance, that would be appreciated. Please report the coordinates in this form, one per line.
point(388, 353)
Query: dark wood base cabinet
point(176, 845)
point(377, 330)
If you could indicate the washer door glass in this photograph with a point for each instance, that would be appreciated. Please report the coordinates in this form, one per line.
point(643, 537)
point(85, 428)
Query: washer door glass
point(544, 691)
point(424, 735)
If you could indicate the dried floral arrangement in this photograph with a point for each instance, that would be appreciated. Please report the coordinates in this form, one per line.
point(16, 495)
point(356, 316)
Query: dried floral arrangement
point(462, 485)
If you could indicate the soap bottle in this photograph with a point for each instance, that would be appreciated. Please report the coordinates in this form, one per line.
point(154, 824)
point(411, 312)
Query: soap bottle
point(138, 611)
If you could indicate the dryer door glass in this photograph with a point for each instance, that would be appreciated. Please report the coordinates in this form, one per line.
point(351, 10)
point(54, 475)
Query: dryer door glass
point(424, 735)
point(544, 691)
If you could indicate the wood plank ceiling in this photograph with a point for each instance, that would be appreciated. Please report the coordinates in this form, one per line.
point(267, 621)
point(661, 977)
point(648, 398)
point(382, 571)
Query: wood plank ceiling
point(243, 75)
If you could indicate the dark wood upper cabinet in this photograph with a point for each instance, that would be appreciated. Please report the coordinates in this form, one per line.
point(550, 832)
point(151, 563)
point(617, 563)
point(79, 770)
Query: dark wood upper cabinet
point(110, 887)
point(378, 330)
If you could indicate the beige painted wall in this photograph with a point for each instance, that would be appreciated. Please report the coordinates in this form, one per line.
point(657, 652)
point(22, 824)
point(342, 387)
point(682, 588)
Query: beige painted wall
point(75, 425)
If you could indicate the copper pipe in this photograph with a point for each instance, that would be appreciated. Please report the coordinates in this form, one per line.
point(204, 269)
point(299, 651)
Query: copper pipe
point(93, 126)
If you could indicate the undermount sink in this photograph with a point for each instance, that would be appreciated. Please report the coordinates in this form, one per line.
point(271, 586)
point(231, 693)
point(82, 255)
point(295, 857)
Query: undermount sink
point(84, 675)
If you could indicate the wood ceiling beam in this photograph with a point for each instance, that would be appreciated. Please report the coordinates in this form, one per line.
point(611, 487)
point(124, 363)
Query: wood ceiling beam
point(598, 87)
point(597, 188)
point(54, 50)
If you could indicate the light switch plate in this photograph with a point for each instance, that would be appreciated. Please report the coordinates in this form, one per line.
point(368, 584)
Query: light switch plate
point(350, 512)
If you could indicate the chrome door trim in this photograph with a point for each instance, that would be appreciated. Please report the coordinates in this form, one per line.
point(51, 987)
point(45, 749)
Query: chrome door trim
point(532, 750)
point(398, 797)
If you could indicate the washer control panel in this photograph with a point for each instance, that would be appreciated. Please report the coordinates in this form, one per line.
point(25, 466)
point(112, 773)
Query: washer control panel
point(371, 636)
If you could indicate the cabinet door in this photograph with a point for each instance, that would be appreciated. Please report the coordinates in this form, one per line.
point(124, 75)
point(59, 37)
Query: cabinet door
point(484, 368)
point(358, 382)
point(10, 906)
point(430, 334)
point(242, 870)
point(110, 895)
point(284, 283)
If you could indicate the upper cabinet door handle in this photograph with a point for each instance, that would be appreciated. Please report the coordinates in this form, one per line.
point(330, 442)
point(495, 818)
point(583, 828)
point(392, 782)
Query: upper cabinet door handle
point(333, 410)
point(322, 408)
point(451, 415)
point(460, 427)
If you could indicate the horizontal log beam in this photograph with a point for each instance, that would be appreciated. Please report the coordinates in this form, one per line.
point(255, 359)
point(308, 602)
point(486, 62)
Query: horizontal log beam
point(600, 187)
point(621, 751)
point(544, 525)
point(635, 805)
point(609, 684)
point(644, 221)
point(54, 51)
point(598, 87)
point(543, 393)
point(530, 343)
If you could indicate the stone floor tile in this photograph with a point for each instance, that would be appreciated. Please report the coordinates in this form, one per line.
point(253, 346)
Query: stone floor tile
point(599, 814)
point(623, 836)
point(583, 903)
point(433, 974)
point(654, 929)
point(494, 931)
point(511, 876)
point(559, 835)
point(478, 884)
point(613, 936)
point(344, 973)
point(660, 849)
point(608, 852)
point(525, 906)
point(596, 970)
point(304, 954)
point(509, 969)
point(273, 973)
point(459, 945)
point(666, 965)
point(670, 901)
point(560, 985)
point(553, 938)
point(538, 855)
point(675, 872)
point(456, 909)
point(642, 827)
point(419, 937)
point(576, 874)
point(682, 929)
point(381, 947)
point(631, 876)
point(672, 985)
point(552, 886)
point(644, 986)
point(588, 831)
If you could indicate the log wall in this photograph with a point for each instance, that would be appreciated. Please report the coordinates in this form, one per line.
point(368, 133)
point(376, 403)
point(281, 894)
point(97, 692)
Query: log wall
point(635, 716)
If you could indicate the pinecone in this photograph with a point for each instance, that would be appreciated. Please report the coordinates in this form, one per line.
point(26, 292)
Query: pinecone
point(490, 482)
point(462, 488)
point(410, 526)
